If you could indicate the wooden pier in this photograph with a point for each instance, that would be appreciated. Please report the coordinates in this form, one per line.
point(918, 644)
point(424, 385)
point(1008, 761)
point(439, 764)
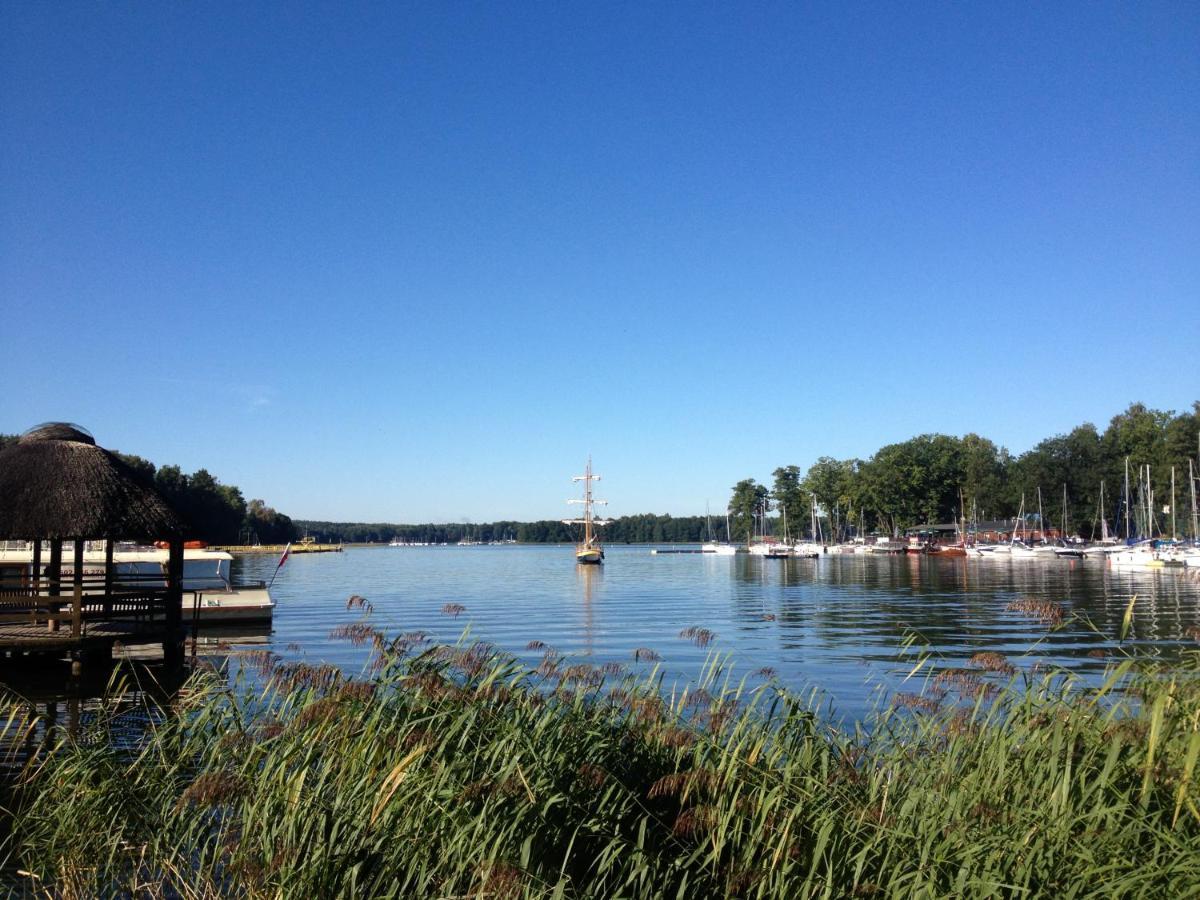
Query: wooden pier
point(88, 618)
point(277, 549)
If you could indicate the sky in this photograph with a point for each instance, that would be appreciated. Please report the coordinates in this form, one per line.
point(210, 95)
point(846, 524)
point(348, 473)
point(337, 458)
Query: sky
point(414, 262)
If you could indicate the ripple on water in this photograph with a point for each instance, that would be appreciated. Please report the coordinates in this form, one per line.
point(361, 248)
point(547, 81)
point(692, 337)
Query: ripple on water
point(836, 623)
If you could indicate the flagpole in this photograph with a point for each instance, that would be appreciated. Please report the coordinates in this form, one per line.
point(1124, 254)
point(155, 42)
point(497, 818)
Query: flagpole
point(279, 565)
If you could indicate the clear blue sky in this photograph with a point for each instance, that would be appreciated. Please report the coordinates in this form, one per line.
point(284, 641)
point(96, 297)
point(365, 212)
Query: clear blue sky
point(416, 262)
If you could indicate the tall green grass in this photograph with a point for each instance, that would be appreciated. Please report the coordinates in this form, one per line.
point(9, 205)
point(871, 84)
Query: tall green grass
point(458, 772)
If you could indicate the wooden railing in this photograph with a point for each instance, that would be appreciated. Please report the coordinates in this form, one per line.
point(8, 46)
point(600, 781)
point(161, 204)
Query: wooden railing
point(141, 600)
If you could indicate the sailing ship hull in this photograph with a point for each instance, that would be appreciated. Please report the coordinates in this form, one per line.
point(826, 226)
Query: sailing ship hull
point(589, 556)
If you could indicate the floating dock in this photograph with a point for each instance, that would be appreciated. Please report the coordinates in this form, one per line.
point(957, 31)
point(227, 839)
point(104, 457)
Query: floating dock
point(276, 549)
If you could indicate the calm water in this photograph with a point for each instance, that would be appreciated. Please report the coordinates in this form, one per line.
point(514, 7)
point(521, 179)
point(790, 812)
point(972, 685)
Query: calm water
point(834, 623)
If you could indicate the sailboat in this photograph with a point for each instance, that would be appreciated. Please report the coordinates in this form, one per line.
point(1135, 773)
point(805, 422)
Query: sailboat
point(711, 545)
point(1066, 550)
point(1107, 541)
point(588, 551)
point(813, 548)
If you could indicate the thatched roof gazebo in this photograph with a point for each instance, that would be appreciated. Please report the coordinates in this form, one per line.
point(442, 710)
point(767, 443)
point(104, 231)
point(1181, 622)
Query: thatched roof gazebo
point(57, 485)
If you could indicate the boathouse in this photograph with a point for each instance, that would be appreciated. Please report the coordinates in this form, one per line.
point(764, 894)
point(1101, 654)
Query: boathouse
point(60, 493)
point(987, 532)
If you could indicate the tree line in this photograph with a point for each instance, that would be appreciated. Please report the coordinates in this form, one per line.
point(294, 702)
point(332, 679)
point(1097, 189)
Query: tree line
point(927, 479)
point(639, 529)
point(218, 513)
point(938, 478)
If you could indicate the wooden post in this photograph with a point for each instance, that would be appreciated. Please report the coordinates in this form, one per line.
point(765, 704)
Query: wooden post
point(173, 636)
point(35, 581)
point(108, 577)
point(77, 598)
point(54, 579)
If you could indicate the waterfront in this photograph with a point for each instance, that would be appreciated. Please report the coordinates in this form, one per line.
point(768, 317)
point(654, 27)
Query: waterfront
point(836, 623)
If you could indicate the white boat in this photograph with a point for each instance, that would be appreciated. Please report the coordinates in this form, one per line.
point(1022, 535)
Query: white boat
point(1021, 550)
point(1148, 555)
point(989, 550)
point(1069, 552)
point(717, 548)
point(210, 595)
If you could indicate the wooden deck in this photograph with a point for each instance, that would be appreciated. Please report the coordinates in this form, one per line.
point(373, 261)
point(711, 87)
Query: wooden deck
point(34, 636)
point(87, 617)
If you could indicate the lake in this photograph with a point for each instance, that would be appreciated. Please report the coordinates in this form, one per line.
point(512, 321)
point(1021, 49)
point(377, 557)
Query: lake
point(836, 623)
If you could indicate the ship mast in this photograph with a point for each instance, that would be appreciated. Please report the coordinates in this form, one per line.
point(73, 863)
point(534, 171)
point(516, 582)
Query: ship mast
point(589, 519)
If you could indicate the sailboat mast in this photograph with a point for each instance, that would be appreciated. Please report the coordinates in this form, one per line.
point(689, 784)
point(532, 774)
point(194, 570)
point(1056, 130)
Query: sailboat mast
point(1192, 488)
point(1127, 535)
point(587, 504)
point(1174, 536)
point(1149, 505)
point(1041, 518)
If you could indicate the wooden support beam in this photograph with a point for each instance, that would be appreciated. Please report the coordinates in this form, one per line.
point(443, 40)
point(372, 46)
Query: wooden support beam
point(77, 593)
point(108, 576)
point(54, 578)
point(173, 637)
point(35, 583)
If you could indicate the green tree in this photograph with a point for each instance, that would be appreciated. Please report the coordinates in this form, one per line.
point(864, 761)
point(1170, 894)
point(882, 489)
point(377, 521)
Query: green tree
point(985, 471)
point(748, 499)
point(790, 497)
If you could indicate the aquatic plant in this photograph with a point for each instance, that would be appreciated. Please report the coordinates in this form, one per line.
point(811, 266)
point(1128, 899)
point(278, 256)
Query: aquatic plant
point(701, 637)
point(458, 771)
point(1045, 611)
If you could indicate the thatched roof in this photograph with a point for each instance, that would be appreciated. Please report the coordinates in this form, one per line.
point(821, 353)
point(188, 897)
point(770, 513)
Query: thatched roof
point(55, 483)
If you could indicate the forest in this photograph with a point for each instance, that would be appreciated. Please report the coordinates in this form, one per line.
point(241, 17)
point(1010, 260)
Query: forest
point(639, 529)
point(938, 478)
point(930, 478)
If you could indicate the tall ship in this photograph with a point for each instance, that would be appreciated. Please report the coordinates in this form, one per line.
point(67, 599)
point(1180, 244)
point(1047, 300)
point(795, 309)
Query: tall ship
point(588, 551)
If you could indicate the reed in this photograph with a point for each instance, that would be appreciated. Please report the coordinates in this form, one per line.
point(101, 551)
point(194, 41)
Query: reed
point(458, 771)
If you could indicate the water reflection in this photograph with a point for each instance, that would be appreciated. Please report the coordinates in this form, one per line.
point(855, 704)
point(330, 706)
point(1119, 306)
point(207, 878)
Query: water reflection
point(836, 621)
point(591, 581)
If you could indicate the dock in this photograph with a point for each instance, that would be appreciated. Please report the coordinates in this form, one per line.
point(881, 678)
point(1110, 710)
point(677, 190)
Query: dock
point(84, 620)
point(277, 549)
point(657, 552)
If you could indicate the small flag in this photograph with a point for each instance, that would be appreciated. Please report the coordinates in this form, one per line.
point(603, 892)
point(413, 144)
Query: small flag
point(287, 551)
